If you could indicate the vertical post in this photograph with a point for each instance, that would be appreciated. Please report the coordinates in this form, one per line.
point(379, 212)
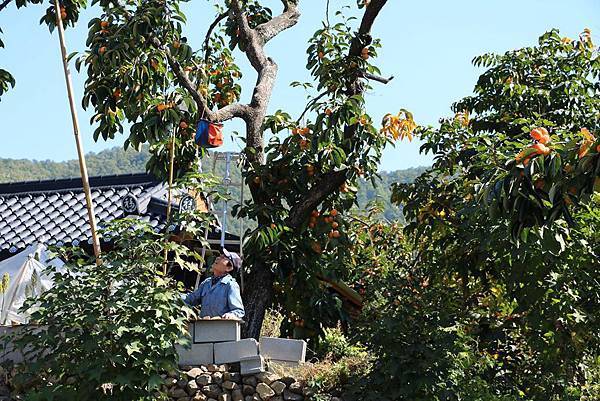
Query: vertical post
point(80, 153)
point(226, 181)
point(170, 195)
point(241, 232)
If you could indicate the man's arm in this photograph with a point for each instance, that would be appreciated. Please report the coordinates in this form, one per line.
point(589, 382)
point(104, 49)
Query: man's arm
point(234, 302)
point(194, 298)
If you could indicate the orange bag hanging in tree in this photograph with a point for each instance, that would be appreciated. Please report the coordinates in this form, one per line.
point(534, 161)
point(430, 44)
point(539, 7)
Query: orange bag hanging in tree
point(209, 134)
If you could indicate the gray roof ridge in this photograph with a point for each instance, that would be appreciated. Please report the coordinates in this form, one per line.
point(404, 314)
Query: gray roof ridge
point(74, 184)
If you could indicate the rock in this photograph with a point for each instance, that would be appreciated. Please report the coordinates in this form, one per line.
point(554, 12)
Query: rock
point(237, 395)
point(182, 383)
point(185, 368)
point(222, 368)
point(267, 377)
point(4, 391)
point(227, 385)
point(224, 397)
point(278, 387)
point(204, 379)
point(278, 398)
point(308, 392)
point(212, 390)
point(289, 396)
point(184, 399)
point(217, 377)
point(248, 389)
point(192, 387)
point(232, 376)
point(212, 367)
point(336, 399)
point(296, 387)
point(198, 397)
point(177, 393)
point(264, 391)
point(250, 380)
point(288, 380)
point(193, 373)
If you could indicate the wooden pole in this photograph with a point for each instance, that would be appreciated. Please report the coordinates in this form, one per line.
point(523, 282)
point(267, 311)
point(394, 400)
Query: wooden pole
point(170, 195)
point(80, 153)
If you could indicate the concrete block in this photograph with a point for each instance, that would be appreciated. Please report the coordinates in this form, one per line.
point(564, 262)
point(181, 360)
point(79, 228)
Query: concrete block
point(252, 365)
point(282, 349)
point(216, 330)
point(234, 351)
point(197, 354)
point(281, 367)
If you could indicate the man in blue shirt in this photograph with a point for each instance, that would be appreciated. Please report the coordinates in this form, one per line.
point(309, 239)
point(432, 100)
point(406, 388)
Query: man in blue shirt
point(219, 294)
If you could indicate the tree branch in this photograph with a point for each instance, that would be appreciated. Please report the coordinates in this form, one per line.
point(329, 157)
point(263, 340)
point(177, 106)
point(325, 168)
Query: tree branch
point(181, 76)
point(309, 105)
point(320, 190)
point(4, 4)
point(332, 181)
point(363, 37)
point(254, 46)
point(264, 66)
point(376, 77)
point(226, 113)
point(212, 26)
point(288, 18)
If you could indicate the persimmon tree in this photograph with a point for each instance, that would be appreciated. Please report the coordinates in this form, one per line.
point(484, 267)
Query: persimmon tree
point(301, 170)
point(504, 224)
point(542, 108)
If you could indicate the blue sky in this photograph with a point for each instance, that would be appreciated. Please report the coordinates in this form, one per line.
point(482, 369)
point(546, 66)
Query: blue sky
point(427, 46)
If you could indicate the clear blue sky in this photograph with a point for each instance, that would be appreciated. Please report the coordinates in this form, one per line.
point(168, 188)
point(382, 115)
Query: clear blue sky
point(428, 47)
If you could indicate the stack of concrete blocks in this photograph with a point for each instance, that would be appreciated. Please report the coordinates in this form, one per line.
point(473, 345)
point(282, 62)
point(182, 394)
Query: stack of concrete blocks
point(217, 341)
point(206, 334)
point(282, 352)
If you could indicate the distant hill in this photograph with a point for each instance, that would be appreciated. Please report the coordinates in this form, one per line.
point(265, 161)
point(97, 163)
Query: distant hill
point(107, 162)
point(118, 161)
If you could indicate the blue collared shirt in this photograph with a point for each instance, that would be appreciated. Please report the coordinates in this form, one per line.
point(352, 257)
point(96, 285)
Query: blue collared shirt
point(218, 299)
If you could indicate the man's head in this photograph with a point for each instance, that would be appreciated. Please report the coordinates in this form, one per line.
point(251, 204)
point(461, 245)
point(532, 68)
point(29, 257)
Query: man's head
point(226, 262)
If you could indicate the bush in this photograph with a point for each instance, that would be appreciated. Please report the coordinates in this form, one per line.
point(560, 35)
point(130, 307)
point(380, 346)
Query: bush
point(334, 345)
point(107, 331)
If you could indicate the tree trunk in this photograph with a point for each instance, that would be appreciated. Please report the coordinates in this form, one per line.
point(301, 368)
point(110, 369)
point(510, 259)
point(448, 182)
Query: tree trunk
point(258, 296)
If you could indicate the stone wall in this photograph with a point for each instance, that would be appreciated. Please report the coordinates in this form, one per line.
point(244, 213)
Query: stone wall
point(218, 383)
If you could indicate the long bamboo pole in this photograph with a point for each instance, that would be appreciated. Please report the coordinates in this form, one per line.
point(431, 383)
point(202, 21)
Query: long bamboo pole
point(80, 153)
point(170, 193)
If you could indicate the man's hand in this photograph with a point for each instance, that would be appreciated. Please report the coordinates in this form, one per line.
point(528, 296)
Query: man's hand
point(230, 316)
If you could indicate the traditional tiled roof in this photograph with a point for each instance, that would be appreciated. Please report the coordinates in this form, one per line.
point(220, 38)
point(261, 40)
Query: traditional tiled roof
point(54, 211)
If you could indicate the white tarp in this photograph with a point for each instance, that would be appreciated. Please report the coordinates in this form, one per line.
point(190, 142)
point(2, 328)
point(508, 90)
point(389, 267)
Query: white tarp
point(27, 278)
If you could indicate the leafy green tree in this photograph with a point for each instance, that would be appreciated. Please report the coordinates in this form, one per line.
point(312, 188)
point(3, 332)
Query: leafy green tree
point(531, 130)
point(519, 289)
point(107, 331)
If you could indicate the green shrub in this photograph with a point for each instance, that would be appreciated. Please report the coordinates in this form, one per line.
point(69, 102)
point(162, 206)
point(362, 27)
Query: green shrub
point(107, 331)
point(334, 345)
